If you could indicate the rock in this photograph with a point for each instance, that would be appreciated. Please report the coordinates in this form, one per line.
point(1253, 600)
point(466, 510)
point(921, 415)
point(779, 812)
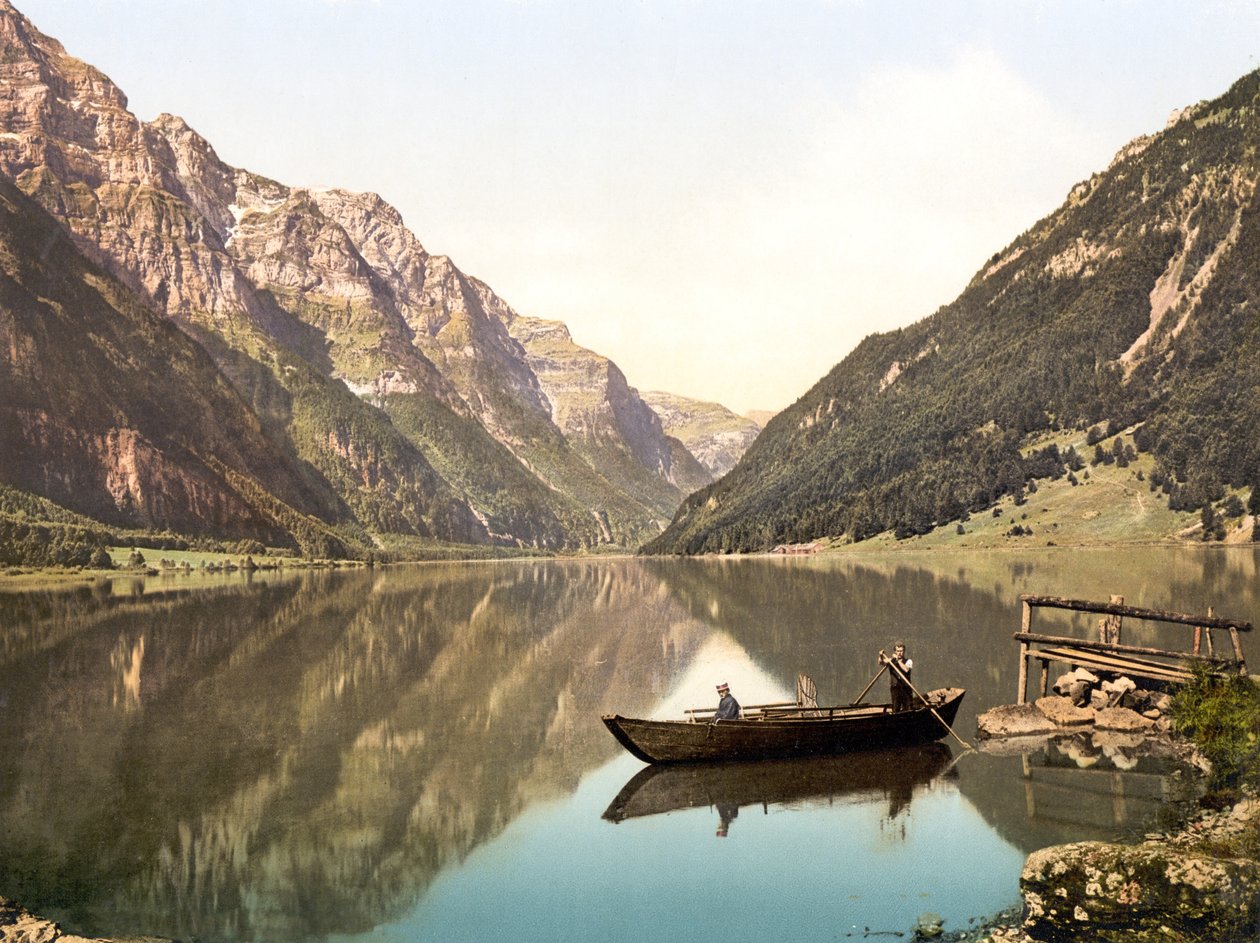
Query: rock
point(17, 925)
point(1096, 890)
point(1116, 690)
point(1061, 711)
point(1152, 714)
point(1079, 693)
point(1075, 678)
point(928, 926)
point(1123, 720)
point(1013, 720)
point(1098, 700)
point(1063, 683)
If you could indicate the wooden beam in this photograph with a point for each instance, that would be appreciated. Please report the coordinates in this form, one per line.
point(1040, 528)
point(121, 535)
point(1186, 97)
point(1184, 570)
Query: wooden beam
point(1155, 615)
point(1027, 637)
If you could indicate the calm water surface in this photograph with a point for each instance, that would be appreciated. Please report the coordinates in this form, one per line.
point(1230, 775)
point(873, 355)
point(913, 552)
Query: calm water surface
point(416, 754)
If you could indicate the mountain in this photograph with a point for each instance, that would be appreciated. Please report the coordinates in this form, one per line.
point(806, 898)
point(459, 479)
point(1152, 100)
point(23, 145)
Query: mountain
point(393, 391)
point(1133, 306)
point(710, 431)
point(110, 409)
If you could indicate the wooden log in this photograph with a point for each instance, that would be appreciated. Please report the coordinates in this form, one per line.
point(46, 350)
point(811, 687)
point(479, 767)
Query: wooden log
point(1238, 654)
point(1085, 644)
point(1154, 615)
point(1025, 628)
point(1200, 632)
point(1023, 673)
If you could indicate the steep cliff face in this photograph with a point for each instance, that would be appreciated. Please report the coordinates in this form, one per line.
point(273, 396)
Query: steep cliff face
point(711, 432)
point(1133, 303)
point(109, 409)
point(303, 296)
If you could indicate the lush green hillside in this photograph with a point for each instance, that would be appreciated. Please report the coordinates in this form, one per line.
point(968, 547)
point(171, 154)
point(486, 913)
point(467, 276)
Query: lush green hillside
point(1133, 304)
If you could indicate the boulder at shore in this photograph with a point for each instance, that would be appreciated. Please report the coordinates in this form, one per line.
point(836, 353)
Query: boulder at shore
point(1100, 891)
point(1202, 883)
point(1013, 720)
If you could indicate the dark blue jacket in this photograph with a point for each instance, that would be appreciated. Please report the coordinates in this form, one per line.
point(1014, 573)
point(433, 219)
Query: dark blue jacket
point(728, 709)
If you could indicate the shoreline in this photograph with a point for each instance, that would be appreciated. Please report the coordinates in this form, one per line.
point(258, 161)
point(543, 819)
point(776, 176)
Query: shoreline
point(21, 577)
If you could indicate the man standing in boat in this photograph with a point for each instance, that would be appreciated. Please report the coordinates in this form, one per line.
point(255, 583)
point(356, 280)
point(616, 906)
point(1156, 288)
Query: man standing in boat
point(899, 677)
point(728, 707)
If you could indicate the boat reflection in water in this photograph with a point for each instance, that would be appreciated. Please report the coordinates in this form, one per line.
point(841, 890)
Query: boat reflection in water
point(862, 776)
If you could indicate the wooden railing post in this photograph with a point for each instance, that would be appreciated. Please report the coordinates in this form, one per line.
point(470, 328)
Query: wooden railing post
point(1109, 626)
point(1238, 654)
point(1025, 626)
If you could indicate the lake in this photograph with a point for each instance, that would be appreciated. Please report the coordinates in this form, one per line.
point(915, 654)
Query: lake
point(415, 753)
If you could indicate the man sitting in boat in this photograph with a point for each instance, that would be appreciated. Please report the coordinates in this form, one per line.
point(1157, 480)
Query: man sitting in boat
point(728, 707)
point(899, 677)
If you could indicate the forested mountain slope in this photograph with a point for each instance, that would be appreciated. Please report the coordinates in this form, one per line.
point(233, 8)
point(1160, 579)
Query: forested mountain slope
point(1136, 303)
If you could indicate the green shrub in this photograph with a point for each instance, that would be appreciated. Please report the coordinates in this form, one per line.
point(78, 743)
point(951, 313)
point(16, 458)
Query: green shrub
point(1222, 716)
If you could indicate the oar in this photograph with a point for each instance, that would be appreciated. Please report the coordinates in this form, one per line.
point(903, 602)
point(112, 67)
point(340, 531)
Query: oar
point(901, 675)
point(871, 685)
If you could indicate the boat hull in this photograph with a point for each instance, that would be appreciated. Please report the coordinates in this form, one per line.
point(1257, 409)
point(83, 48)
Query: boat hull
point(835, 731)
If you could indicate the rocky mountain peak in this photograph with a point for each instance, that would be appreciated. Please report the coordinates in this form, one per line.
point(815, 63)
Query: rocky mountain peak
point(205, 181)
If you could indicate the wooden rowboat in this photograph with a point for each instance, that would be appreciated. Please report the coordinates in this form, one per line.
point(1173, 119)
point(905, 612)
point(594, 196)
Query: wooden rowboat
point(774, 732)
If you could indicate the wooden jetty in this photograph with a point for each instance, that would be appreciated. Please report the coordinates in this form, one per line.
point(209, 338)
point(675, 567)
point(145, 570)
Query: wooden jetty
point(1109, 654)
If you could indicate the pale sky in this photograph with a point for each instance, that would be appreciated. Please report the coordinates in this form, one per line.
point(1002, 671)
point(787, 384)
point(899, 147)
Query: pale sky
point(724, 197)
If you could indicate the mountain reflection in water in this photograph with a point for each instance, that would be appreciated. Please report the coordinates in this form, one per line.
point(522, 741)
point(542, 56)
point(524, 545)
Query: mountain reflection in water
point(864, 776)
point(320, 755)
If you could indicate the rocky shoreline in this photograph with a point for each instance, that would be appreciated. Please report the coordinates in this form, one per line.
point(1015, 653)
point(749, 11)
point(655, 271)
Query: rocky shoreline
point(1197, 882)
